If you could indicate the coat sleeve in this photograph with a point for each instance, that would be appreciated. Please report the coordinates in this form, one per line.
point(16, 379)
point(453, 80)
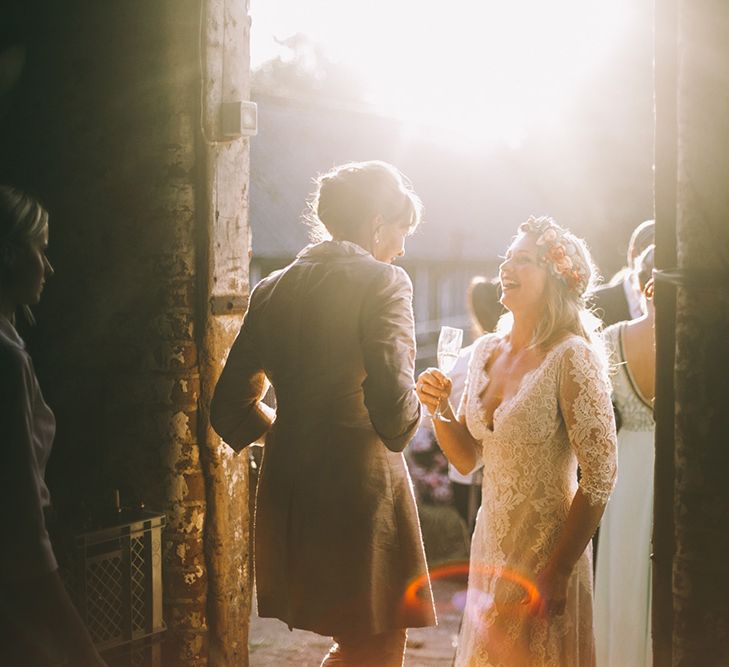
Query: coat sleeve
point(236, 411)
point(388, 346)
point(27, 552)
point(584, 399)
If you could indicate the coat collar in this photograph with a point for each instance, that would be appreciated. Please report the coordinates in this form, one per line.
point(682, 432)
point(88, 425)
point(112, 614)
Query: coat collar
point(332, 249)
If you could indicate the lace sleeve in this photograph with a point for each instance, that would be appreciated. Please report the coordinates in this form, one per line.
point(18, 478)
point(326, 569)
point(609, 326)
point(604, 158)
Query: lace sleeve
point(463, 398)
point(584, 399)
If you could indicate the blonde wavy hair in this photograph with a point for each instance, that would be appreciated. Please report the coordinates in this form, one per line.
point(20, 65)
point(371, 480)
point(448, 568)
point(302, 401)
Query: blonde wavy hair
point(23, 220)
point(565, 309)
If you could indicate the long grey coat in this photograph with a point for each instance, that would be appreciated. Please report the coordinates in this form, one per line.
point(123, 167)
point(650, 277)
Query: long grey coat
point(337, 538)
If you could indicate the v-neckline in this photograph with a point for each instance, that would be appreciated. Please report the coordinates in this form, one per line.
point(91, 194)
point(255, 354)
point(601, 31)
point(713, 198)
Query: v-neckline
point(523, 382)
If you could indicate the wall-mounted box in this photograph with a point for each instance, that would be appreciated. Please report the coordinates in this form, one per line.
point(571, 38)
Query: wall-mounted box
point(238, 119)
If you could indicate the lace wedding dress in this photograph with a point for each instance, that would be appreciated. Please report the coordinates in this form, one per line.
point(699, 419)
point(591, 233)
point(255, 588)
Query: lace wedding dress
point(560, 416)
point(623, 575)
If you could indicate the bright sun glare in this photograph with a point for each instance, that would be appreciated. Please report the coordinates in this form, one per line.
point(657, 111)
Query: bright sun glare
point(475, 70)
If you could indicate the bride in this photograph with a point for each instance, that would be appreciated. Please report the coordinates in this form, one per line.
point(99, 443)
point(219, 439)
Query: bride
point(536, 405)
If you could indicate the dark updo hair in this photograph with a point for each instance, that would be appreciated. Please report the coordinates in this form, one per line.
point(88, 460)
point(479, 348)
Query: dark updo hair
point(351, 195)
point(644, 264)
point(483, 303)
point(643, 236)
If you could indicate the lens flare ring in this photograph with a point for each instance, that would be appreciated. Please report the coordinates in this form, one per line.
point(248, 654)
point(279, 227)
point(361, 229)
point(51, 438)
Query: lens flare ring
point(531, 599)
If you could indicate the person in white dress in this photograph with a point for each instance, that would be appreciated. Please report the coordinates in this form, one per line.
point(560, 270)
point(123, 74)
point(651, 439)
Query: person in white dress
point(536, 405)
point(623, 575)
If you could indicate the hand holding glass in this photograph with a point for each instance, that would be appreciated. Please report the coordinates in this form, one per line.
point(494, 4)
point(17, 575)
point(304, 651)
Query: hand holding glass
point(449, 345)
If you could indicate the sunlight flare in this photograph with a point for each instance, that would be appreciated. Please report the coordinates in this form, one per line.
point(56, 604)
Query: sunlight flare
point(480, 72)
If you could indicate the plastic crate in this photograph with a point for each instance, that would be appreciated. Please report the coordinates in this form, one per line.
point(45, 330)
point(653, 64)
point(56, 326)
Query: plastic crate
point(115, 576)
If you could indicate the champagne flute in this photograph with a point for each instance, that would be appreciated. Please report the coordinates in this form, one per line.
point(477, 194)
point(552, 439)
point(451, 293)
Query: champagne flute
point(449, 345)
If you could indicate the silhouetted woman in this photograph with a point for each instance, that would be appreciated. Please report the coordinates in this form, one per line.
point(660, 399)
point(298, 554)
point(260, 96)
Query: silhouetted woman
point(623, 573)
point(337, 539)
point(38, 623)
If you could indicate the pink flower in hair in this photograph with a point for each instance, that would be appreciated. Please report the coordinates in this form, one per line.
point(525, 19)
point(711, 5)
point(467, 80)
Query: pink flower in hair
point(559, 253)
point(563, 264)
point(549, 236)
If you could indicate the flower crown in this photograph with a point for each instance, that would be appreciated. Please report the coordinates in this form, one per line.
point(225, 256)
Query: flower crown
point(556, 247)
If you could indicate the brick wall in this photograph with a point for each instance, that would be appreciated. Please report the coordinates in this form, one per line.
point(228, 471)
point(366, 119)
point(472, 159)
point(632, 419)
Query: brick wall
point(104, 124)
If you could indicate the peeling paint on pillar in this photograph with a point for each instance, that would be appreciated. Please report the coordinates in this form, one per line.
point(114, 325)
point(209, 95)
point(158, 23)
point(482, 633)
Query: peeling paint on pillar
point(227, 536)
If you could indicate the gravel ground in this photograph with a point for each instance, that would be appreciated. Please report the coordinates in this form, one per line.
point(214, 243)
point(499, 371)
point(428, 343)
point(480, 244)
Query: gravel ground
point(272, 644)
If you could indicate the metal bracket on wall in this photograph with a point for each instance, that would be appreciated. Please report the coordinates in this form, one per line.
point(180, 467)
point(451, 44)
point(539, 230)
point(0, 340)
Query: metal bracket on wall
point(703, 279)
point(229, 304)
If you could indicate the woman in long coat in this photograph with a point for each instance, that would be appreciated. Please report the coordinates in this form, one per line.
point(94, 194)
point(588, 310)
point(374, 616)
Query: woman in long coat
point(337, 539)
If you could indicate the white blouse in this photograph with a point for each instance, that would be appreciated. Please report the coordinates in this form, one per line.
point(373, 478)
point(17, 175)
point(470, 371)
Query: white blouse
point(27, 429)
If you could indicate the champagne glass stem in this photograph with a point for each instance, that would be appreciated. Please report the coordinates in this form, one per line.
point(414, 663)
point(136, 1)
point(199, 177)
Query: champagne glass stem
point(449, 346)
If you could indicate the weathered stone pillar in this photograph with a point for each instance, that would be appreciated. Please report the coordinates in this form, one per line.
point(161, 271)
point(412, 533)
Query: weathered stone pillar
point(175, 334)
point(701, 509)
point(223, 271)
